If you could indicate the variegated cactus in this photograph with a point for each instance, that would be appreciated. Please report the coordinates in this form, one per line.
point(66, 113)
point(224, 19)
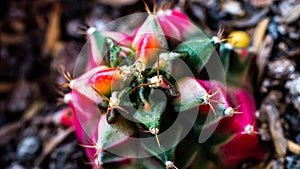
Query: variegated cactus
point(115, 104)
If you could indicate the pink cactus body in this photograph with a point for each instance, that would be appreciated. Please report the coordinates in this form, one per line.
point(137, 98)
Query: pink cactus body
point(95, 48)
point(99, 87)
point(216, 94)
point(92, 129)
point(235, 119)
point(170, 30)
point(176, 24)
point(243, 143)
point(84, 121)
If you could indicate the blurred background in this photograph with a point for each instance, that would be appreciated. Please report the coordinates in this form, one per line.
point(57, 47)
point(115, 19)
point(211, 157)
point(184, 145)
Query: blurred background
point(41, 39)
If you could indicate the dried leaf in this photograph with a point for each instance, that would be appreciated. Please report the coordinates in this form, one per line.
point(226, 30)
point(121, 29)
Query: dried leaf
point(276, 130)
point(263, 54)
point(8, 39)
point(7, 86)
point(259, 33)
point(9, 131)
point(292, 15)
point(247, 22)
point(293, 147)
point(53, 31)
point(261, 3)
point(53, 142)
point(33, 110)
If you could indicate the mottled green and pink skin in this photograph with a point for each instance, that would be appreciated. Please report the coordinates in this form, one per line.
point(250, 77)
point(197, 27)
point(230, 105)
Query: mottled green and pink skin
point(159, 33)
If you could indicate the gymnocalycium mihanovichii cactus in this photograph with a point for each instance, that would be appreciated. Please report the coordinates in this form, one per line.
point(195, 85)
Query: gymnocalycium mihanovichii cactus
point(133, 89)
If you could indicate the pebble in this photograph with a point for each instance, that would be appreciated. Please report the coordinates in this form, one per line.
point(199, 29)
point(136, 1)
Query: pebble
point(281, 68)
point(233, 8)
point(60, 156)
point(15, 166)
point(28, 148)
point(273, 30)
point(294, 121)
point(293, 86)
point(293, 162)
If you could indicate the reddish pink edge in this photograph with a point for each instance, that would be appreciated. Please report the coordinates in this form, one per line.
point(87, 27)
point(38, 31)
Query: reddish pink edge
point(239, 148)
point(169, 29)
point(92, 62)
point(83, 83)
point(215, 87)
point(245, 103)
point(83, 136)
point(181, 21)
point(121, 38)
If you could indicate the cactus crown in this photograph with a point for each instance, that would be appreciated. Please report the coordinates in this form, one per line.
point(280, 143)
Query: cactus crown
point(114, 99)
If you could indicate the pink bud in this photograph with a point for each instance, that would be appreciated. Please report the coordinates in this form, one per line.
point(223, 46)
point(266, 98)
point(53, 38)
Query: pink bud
point(100, 78)
point(149, 40)
point(64, 117)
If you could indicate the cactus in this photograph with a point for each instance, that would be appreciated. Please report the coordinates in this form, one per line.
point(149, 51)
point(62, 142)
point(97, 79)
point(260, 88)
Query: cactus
point(114, 100)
